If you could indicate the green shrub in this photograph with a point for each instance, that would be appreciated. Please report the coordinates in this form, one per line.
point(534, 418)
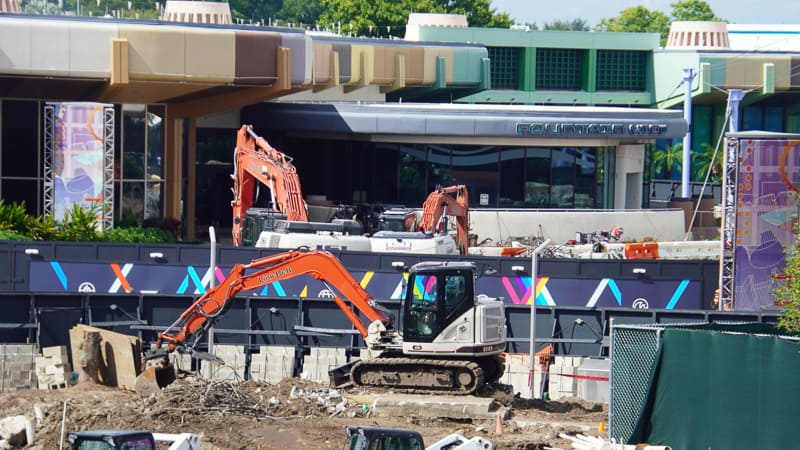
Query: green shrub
point(12, 216)
point(41, 228)
point(132, 235)
point(80, 224)
point(11, 235)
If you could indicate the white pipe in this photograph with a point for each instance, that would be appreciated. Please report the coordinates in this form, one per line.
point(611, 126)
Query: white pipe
point(534, 272)
point(63, 424)
point(686, 189)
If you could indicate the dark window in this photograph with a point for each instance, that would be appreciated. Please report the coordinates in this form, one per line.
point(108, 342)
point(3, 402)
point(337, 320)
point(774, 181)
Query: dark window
point(621, 70)
point(559, 68)
point(504, 67)
point(537, 178)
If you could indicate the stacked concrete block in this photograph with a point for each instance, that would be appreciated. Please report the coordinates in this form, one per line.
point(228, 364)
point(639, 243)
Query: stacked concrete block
point(518, 374)
point(564, 377)
point(17, 364)
point(181, 361)
point(272, 364)
point(317, 364)
point(593, 385)
point(232, 370)
point(53, 370)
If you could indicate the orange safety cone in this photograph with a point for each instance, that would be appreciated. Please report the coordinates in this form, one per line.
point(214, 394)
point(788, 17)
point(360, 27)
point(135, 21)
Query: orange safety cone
point(499, 427)
point(601, 428)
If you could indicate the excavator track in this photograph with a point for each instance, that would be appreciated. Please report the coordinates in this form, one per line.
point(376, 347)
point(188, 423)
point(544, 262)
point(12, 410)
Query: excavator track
point(422, 376)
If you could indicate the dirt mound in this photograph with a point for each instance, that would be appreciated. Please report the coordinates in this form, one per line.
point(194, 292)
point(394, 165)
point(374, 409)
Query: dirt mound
point(291, 414)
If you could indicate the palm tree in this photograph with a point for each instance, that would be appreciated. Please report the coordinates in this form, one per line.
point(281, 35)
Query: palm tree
point(705, 161)
point(668, 160)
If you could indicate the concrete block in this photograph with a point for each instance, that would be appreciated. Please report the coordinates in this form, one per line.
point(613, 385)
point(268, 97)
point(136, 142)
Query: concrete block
point(58, 354)
point(434, 407)
point(234, 366)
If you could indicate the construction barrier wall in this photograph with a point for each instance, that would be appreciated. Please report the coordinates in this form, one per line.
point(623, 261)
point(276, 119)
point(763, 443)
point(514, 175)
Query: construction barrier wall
point(719, 385)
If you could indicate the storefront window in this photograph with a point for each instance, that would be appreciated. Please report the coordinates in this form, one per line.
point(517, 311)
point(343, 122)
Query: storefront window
point(562, 191)
point(512, 178)
point(142, 144)
point(537, 178)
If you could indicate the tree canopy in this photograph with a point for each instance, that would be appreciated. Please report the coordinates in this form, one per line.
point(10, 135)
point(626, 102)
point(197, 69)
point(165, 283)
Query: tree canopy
point(389, 17)
point(641, 19)
point(377, 18)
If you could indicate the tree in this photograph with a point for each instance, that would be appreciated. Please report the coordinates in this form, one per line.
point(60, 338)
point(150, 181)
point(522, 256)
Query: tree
point(668, 160)
point(689, 10)
point(389, 17)
point(641, 19)
point(479, 12)
point(567, 25)
point(787, 289)
point(708, 159)
point(304, 12)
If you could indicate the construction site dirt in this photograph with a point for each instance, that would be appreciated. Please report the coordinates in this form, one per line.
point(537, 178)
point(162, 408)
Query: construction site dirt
point(292, 414)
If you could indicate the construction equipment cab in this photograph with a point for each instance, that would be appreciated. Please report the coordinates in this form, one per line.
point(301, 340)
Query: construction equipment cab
point(377, 438)
point(130, 440)
point(449, 340)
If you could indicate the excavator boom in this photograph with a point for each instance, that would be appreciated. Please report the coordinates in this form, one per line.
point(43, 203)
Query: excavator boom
point(258, 162)
point(319, 264)
point(447, 201)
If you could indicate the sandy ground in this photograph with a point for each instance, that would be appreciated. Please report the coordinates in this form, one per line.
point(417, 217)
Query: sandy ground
point(293, 414)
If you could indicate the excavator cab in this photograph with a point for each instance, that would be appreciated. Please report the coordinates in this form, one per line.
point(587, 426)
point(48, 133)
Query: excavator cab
point(436, 294)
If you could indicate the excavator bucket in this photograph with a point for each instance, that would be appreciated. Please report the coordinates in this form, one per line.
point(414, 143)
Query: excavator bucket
point(153, 378)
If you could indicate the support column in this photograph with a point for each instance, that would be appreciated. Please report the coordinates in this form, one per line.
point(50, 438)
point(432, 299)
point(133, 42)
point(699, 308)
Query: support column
point(191, 178)
point(174, 168)
point(686, 175)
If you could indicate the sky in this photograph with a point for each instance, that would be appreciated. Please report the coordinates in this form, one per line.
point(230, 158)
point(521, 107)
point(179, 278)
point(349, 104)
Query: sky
point(734, 11)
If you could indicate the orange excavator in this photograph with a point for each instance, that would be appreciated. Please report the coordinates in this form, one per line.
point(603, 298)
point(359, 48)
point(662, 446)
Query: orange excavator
point(450, 340)
point(255, 161)
point(443, 202)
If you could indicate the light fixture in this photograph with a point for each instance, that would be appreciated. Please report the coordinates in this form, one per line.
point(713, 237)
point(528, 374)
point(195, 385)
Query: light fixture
point(156, 255)
point(398, 264)
point(518, 268)
point(639, 270)
point(32, 251)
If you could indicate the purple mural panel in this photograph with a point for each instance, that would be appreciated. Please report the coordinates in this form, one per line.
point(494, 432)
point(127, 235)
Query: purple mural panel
point(53, 276)
point(766, 215)
point(78, 150)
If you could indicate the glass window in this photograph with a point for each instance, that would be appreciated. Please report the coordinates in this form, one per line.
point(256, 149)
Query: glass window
point(512, 178)
point(585, 163)
point(133, 138)
point(559, 68)
point(423, 310)
point(412, 189)
point(537, 178)
point(154, 193)
point(621, 70)
point(132, 200)
point(504, 67)
point(155, 142)
point(562, 191)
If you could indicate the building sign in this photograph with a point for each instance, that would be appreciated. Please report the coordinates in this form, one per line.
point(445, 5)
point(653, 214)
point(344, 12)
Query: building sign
point(598, 129)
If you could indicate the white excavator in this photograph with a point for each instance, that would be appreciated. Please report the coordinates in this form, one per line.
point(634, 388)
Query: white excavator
point(449, 340)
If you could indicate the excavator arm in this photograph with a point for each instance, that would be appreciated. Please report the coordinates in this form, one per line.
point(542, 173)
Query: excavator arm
point(258, 162)
point(447, 201)
point(319, 264)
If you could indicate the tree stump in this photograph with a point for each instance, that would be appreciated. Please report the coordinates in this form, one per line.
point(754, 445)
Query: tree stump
point(90, 361)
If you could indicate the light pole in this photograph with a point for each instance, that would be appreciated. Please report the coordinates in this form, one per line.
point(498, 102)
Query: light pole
point(534, 275)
